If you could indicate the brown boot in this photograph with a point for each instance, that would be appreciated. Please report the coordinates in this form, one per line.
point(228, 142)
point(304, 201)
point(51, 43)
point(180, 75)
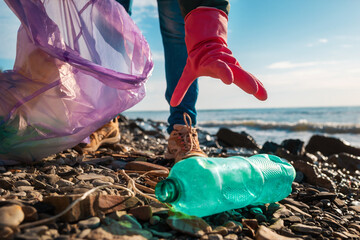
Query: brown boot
point(183, 142)
point(107, 134)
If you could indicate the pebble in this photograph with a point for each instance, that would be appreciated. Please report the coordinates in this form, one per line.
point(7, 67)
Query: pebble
point(11, 216)
point(64, 183)
point(6, 232)
point(6, 184)
point(25, 188)
point(293, 219)
point(154, 220)
point(221, 230)
point(22, 183)
point(212, 236)
point(277, 225)
point(30, 213)
point(142, 213)
point(98, 182)
point(84, 233)
point(231, 236)
point(265, 233)
point(302, 228)
point(40, 230)
point(191, 225)
point(92, 223)
point(93, 176)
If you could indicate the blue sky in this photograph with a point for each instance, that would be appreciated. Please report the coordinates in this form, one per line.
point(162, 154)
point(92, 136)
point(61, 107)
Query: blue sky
point(306, 53)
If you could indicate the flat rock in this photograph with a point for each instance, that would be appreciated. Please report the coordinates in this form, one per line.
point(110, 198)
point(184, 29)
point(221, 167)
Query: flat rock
point(142, 213)
point(93, 176)
point(100, 233)
point(64, 183)
point(296, 209)
point(93, 205)
point(11, 216)
point(144, 166)
point(314, 175)
point(98, 182)
point(127, 225)
point(302, 228)
point(355, 208)
point(295, 203)
point(191, 225)
point(265, 233)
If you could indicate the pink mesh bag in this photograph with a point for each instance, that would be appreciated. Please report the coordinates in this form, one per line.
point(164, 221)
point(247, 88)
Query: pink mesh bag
point(78, 64)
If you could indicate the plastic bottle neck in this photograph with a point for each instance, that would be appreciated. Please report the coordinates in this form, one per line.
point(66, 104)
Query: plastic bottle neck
point(168, 190)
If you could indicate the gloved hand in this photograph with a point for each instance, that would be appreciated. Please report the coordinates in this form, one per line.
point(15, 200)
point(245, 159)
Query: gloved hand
point(208, 55)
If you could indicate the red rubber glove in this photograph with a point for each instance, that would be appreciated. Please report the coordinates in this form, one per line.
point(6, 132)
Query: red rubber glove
point(208, 55)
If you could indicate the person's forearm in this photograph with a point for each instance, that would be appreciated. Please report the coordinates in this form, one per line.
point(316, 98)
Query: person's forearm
point(187, 5)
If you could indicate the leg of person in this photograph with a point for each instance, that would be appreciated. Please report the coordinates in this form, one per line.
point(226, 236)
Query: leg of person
point(183, 141)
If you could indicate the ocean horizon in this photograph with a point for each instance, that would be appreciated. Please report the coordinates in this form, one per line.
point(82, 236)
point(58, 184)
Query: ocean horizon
point(276, 124)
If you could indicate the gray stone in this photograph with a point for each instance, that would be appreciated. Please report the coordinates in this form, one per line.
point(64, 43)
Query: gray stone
point(84, 233)
point(92, 223)
point(98, 182)
point(154, 220)
point(25, 188)
point(64, 183)
point(40, 230)
point(93, 176)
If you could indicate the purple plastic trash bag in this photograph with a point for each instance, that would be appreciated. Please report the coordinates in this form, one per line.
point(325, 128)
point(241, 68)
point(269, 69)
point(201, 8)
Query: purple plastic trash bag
point(78, 64)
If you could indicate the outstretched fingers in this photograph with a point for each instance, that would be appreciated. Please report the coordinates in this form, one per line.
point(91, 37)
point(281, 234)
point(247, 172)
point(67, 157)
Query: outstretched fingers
point(244, 80)
point(219, 69)
point(261, 94)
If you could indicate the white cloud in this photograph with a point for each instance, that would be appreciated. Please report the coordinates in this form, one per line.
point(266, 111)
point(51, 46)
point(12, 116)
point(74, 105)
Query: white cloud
point(344, 75)
point(323, 40)
point(143, 10)
point(144, 3)
point(291, 65)
point(158, 56)
point(318, 42)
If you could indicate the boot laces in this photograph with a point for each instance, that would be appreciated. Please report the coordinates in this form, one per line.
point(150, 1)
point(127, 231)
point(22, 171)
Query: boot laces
point(188, 140)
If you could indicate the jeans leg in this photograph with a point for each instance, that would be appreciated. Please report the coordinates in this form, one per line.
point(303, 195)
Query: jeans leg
point(173, 37)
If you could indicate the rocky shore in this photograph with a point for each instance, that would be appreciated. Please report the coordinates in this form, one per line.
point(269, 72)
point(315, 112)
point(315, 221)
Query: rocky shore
point(107, 194)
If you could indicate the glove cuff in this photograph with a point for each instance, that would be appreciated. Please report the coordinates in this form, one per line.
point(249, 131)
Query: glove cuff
point(205, 24)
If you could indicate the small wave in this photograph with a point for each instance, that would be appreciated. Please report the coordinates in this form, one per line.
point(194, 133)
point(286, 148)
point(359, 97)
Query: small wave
point(300, 126)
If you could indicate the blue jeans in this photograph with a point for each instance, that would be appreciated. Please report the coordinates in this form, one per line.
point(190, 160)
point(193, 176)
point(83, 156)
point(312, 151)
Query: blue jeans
point(173, 37)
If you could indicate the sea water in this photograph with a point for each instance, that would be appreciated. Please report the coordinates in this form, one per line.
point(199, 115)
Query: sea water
point(276, 124)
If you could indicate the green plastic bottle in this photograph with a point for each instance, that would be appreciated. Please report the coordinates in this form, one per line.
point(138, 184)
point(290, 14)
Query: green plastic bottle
point(204, 186)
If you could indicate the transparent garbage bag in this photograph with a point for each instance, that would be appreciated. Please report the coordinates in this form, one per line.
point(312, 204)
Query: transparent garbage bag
point(78, 64)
